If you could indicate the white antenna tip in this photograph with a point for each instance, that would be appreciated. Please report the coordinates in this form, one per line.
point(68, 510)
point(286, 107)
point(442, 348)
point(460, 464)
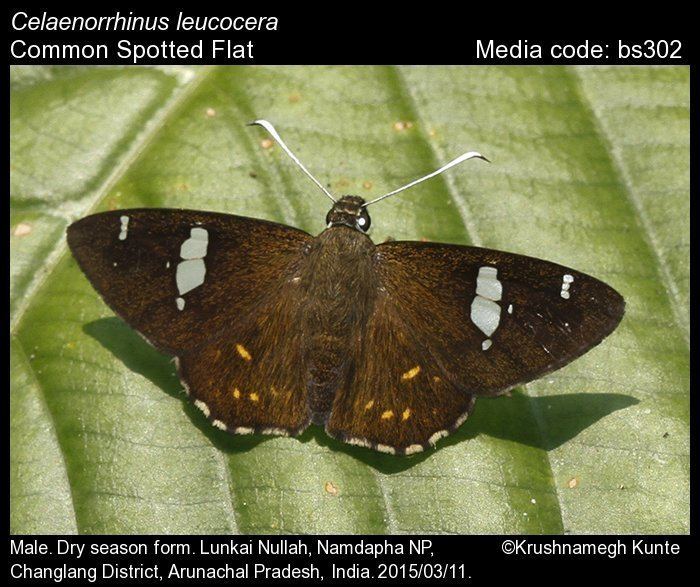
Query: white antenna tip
point(455, 161)
point(271, 129)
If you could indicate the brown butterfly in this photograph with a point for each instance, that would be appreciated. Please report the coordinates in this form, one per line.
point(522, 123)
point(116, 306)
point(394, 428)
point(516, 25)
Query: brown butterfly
point(386, 346)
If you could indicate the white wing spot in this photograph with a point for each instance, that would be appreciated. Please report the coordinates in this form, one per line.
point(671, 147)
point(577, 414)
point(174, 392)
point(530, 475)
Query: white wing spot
point(486, 345)
point(437, 436)
point(190, 275)
point(275, 431)
point(485, 315)
point(219, 424)
point(487, 284)
point(412, 449)
point(460, 420)
point(567, 280)
point(124, 227)
point(195, 247)
point(180, 303)
point(359, 442)
point(191, 270)
point(485, 312)
point(510, 308)
point(202, 406)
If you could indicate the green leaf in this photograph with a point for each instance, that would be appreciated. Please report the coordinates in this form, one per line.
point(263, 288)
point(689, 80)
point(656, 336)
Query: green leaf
point(590, 169)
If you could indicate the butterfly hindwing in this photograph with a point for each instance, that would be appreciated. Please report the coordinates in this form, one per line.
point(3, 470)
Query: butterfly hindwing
point(179, 277)
point(397, 399)
point(250, 379)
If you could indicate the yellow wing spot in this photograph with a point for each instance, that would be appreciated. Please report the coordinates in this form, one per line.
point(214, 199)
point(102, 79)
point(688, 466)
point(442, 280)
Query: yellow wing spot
point(388, 415)
point(436, 379)
point(406, 414)
point(411, 373)
point(254, 397)
point(245, 355)
point(273, 391)
point(369, 404)
point(236, 393)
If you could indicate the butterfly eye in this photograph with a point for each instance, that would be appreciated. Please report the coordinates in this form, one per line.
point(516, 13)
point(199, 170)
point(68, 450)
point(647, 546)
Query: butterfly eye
point(363, 222)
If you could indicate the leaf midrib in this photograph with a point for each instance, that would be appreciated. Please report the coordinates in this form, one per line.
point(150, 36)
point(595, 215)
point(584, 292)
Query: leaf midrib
point(137, 148)
point(19, 348)
point(642, 220)
point(132, 154)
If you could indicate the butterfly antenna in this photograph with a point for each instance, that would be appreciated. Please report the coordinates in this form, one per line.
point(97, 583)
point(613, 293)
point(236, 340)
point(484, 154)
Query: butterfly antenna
point(271, 129)
point(456, 161)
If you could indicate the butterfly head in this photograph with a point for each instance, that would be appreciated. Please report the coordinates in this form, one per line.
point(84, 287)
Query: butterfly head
point(349, 211)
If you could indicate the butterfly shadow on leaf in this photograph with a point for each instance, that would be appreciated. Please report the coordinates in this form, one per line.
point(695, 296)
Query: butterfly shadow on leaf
point(544, 422)
point(541, 422)
point(140, 357)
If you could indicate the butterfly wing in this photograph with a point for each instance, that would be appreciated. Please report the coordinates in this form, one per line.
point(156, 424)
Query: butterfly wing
point(179, 277)
point(215, 290)
point(251, 379)
point(472, 322)
point(397, 398)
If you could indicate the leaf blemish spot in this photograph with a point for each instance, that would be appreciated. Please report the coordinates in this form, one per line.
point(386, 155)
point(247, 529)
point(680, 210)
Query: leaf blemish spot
point(22, 229)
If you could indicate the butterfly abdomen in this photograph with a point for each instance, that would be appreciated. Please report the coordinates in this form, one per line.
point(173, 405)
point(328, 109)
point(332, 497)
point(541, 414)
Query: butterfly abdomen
point(326, 370)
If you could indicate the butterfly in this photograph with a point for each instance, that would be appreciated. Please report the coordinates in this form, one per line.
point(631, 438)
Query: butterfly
point(386, 346)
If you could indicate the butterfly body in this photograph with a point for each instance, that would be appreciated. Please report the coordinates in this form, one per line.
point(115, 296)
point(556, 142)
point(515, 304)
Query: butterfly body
point(337, 293)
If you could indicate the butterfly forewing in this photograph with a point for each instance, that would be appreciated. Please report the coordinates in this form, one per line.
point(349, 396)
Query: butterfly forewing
point(181, 277)
point(492, 320)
